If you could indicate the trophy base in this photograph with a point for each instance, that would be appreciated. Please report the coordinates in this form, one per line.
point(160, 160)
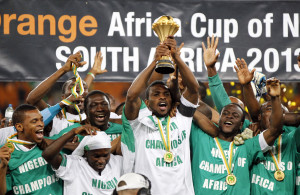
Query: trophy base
point(164, 67)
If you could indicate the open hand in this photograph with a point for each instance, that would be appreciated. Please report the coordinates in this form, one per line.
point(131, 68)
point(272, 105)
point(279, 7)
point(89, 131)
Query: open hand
point(242, 71)
point(209, 54)
point(97, 64)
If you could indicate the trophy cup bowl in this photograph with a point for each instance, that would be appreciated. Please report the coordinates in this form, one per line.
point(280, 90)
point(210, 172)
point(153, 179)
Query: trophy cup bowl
point(164, 27)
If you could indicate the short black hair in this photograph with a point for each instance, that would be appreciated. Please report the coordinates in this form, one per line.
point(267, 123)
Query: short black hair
point(151, 85)
point(94, 92)
point(19, 113)
point(119, 108)
point(244, 112)
point(63, 90)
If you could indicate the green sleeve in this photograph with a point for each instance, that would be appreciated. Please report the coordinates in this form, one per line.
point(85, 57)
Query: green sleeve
point(65, 130)
point(297, 138)
point(9, 183)
point(254, 152)
point(218, 93)
point(127, 137)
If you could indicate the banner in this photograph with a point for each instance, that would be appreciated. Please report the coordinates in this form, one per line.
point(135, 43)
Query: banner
point(36, 37)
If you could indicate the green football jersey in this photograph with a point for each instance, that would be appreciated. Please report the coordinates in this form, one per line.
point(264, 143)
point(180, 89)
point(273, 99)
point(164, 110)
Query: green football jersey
point(114, 131)
point(262, 173)
point(297, 189)
point(208, 169)
point(31, 174)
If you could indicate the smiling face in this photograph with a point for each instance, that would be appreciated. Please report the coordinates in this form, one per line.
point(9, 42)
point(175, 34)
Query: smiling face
point(230, 121)
point(68, 91)
point(31, 129)
point(98, 158)
point(98, 111)
point(159, 101)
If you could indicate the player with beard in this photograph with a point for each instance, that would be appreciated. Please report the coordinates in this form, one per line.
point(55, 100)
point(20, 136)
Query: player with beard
point(27, 171)
point(97, 110)
point(153, 143)
point(218, 165)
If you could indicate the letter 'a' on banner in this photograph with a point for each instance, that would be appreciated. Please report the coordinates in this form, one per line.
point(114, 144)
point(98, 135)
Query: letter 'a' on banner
point(37, 42)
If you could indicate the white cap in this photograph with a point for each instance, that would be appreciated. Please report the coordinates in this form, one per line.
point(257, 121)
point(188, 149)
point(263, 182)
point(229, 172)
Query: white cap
point(133, 181)
point(93, 142)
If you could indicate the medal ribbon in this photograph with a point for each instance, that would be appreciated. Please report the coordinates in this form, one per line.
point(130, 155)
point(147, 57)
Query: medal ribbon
point(18, 141)
point(167, 143)
point(227, 165)
point(277, 160)
point(74, 92)
point(65, 116)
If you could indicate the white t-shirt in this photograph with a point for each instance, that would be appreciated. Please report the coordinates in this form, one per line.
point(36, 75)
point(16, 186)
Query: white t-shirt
point(60, 124)
point(166, 178)
point(5, 133)
point(80, 177)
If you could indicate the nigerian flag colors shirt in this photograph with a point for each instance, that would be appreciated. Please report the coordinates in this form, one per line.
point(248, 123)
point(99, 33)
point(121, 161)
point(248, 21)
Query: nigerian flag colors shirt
point(209, 171)
point(30, 173)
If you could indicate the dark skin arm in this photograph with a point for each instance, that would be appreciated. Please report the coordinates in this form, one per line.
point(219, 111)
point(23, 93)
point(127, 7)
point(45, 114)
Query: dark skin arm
point(192, 88)
point(205, 124)
point(276, 120)
point(116, 146)
point(51, 153)
point(36, 95)
point(292, 119)
point(96, 69)
point(133, 102)
point(4, 159)
point(245, 78)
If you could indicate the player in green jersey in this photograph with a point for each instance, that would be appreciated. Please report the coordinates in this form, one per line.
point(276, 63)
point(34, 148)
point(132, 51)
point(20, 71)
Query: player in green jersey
point(218, 166)
point(27, 170)
point(97, 109)
point(282, 157)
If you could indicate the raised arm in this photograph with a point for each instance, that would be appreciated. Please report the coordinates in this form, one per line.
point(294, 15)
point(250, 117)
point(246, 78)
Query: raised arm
point(205, 124)
point(36, 95)
point(218, 92)
point(51, 153)
point(276, 120)
point(245, 78)
point(133, 102)
point(292, 119)
point(95, 70)
point(192, 88)
point(4, 159)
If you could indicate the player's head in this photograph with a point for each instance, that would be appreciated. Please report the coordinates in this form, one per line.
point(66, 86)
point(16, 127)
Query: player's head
point(29, 123)
point(231, 119)
point(158, 98)
point(96, 150)
point(265, 114)
point(67, 91)
point(133, 184)
point(97, 109)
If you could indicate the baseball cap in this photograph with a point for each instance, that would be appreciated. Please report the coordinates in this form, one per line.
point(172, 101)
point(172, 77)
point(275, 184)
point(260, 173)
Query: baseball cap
point(133, 181)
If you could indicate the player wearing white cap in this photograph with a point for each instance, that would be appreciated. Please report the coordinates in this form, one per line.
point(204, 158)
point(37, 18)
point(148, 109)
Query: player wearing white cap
point(91, 169)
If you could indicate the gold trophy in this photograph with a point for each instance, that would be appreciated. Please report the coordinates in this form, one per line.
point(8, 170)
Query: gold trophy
point(164, 27)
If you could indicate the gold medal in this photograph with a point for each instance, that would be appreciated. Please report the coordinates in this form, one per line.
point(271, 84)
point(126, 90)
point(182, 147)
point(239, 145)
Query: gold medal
point(168, 157)
point(279, 175)
point(11, 146)
point(231, 179)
